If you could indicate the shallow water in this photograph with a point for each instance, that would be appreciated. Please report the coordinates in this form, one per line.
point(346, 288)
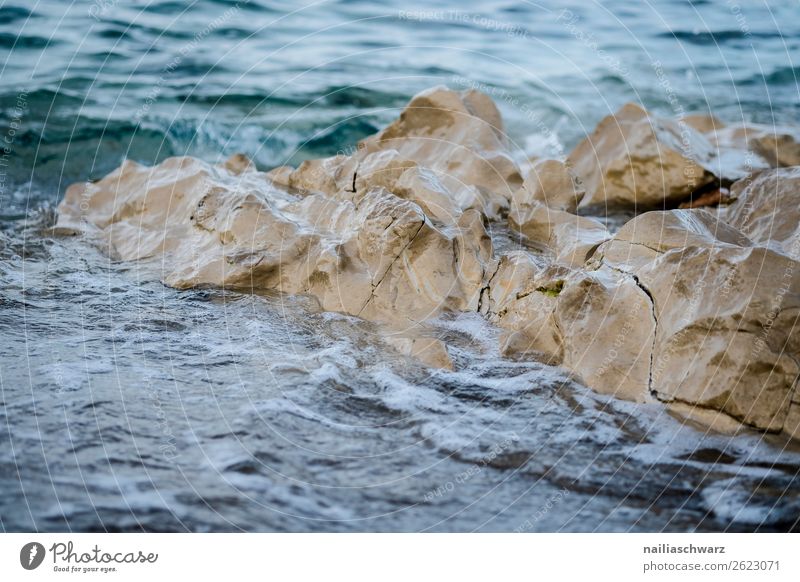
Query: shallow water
point(127, 405)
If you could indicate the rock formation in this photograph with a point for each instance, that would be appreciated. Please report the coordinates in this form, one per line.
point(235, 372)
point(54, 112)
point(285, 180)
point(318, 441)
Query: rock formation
point(636, 160)
point(379, 257)
point(691, 307)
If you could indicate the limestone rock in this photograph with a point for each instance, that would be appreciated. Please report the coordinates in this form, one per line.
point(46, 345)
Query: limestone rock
point(326, 175)
point(381, 169)
point(647, 237)
point(597, 324)
point(458, 135)
point(703, 123)
point(552, 183)
point(442, 197)
point(637, 160)
point(767, 208)
point(445, 144)
point(709, 198)
point(694, 308)
point(430, 351)
point(380, 258)
point(726, 311)
point(678, 305)
point(238, 164)
point(761, 146)
point(780, 148)
point(569, 238)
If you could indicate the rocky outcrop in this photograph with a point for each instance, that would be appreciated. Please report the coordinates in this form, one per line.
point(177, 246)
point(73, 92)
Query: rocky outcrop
point(727, 313)
point(459, 136)
point(690, 307)
point(757, 146)
point(637, 160)
point(379, 258)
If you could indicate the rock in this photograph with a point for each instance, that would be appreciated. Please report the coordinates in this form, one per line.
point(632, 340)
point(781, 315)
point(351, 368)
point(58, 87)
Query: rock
point(761, 146)
point(453, 142)
point(569, 238)
point(442, 197)
point(429, 351)
point(726, 314)
point(713, 197)
point(381, 169)
point(238, 164)
point(597, 324)
point(637, 160)
point(780, 148)
point(690, 307)
point(678, 305)
point(379, 258)
point(643, 240)
point(326, 175)
point(458, 135)
point(766, 208)
point(553, 184)
point(703, 123)
point(521, 297)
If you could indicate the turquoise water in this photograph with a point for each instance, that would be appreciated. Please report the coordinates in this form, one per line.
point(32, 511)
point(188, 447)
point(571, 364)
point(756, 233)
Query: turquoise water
point(128, 406)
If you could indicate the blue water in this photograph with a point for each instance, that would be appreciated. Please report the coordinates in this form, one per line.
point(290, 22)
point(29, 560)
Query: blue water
point(126, 405)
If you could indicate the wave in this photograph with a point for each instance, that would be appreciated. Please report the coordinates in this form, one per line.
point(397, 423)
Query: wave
point(18, 42)
point(11, 14)
point(707, 37)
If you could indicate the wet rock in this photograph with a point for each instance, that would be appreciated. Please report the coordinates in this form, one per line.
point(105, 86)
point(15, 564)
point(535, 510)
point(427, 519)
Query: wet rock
point(646, 238)
point(703, 123)
point(442, 197)
point(694, 308)
point(781, 148)
point(553, 184)
point(569, 238)
point(430, 351)
point(459, 135)
point(726, 313)
point(453, 141)
point(678, 305)
point(766, 208)
point(637, 160)
point(714, 197)
point(380, 258)
point(238, 164)
point(597, 324)
point(762, 146)
point(326, 175)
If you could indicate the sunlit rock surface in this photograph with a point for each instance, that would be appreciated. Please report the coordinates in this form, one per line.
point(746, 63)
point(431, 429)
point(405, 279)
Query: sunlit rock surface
point(726, 314)
point(756, 146)
point(380, 257)
point(767, 208)
point(568, 238)
point(596, 323)
point(552, 183)
point(695, 308)
point(637, 160)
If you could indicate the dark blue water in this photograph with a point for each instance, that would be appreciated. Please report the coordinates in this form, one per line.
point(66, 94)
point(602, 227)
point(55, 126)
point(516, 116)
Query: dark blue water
point(125, 405)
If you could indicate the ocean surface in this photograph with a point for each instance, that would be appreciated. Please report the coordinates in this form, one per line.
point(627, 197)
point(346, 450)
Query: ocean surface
point(127, 406)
